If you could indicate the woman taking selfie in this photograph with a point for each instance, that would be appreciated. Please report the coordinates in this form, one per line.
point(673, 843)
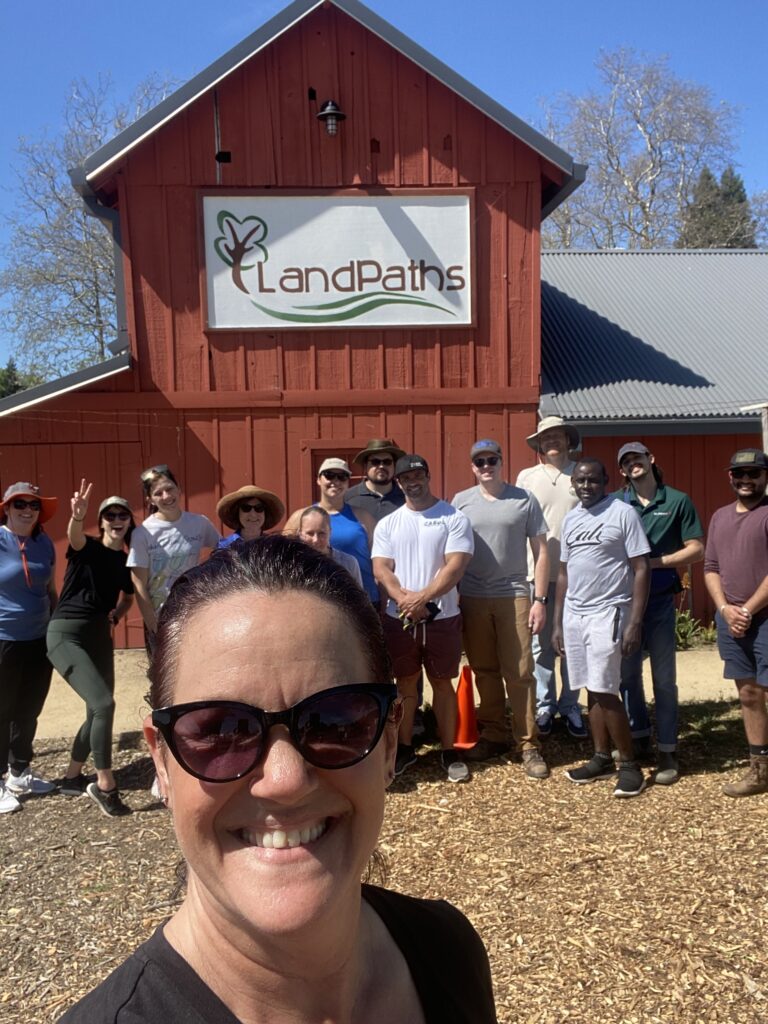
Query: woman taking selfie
point(27, 595)
point(274, 736)
point(250, 512)
point(97, 593)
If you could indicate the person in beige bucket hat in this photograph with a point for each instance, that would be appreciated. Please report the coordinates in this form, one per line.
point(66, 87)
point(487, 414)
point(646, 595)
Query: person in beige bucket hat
point(249, 511)
point(550, 481)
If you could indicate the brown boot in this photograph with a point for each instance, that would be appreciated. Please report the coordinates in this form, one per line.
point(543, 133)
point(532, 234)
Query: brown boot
point(755, 781)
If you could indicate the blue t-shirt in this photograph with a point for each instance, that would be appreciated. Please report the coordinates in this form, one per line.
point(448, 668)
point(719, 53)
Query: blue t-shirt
point(25, 607)
point(349, 535)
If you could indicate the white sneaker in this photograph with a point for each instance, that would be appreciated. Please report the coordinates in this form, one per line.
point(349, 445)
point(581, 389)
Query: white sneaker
point(28, 784)
point(8, 802)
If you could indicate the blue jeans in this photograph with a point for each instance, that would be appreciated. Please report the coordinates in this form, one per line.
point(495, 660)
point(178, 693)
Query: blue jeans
point(544, 669)
point(659, 643)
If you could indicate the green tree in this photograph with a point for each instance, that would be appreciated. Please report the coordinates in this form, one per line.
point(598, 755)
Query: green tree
point(11, 381)
point(719, 215)
point(646, 135)
point(57, 286)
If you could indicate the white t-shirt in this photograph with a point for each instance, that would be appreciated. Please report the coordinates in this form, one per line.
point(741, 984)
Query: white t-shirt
point(169, 549)
point(418, 542)
point(596, 545)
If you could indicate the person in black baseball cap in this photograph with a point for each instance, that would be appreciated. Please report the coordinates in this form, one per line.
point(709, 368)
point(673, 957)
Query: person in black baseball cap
point(736, 576)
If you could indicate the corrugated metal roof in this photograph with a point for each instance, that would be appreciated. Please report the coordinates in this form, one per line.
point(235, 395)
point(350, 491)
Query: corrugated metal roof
point(95, 165)
point(653, 334)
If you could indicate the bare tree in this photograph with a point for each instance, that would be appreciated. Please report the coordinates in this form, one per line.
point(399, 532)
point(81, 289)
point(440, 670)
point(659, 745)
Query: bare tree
point(646, 135)
point(57, 294)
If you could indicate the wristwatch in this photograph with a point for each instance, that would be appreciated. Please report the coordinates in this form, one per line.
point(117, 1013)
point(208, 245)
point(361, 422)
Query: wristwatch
point(542, 600)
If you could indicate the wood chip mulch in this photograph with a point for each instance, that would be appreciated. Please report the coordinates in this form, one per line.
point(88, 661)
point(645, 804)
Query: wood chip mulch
point(593, 910)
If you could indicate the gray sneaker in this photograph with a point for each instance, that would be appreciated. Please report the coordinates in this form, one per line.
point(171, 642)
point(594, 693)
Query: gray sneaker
point(534, 765)
point(109, 803)
point(455, 768)
point(667, 770)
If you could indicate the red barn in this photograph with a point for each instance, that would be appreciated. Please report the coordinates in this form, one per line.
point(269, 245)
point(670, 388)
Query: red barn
point(287, 292)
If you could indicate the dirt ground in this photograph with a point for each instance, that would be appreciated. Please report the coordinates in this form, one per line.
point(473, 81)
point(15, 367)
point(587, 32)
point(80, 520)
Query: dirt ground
point(593, 910)
point(700, 677)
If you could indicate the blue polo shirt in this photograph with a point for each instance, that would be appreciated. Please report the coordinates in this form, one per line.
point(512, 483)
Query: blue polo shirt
point(25, 609)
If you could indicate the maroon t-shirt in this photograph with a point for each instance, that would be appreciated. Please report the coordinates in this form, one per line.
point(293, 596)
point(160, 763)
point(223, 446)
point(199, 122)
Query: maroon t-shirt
point(737, 549)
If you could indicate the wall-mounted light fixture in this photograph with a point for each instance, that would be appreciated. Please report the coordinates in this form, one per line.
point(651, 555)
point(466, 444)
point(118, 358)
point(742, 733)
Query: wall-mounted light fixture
point(331, 114)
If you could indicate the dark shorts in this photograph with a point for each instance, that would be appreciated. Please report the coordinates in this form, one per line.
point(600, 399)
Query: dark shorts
point(436, 647)
point(744, 657)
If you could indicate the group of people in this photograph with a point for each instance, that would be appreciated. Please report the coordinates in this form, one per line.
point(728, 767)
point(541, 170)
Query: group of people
point(514, 575)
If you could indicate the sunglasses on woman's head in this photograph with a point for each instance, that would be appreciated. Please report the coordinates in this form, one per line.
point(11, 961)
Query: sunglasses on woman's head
point(154, 471)
point(491, 460)
point(330, 474)
point(112, 517)
point(20, 504)
point(223, 740)
point(255, 506)
point(752, 474)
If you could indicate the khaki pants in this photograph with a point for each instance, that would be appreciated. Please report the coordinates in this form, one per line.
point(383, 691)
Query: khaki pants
point(497, 643)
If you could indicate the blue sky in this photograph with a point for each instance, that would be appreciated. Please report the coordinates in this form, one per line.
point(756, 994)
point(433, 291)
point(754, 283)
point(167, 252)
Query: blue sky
point(519, 53)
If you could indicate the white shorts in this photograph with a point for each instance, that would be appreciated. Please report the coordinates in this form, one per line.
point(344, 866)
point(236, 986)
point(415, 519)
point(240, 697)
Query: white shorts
point(593, 648)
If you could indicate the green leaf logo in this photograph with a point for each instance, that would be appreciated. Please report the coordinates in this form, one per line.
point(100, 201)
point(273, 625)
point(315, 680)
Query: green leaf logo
point(238, 240)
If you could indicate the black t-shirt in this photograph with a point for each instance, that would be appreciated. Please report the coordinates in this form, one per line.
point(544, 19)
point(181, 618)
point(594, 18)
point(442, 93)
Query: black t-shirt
point(444, 953)
point(378, 505)
point(94, 578)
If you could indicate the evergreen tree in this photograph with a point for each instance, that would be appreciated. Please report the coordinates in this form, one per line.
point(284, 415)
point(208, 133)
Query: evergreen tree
point(11, 381)
point(719, 215)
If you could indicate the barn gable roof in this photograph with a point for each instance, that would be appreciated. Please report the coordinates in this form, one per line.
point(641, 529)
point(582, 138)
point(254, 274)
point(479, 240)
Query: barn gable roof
point(95, 165)
point(674, 335)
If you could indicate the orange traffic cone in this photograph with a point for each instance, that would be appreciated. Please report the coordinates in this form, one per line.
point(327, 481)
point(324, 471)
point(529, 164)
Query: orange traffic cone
point(466, 720)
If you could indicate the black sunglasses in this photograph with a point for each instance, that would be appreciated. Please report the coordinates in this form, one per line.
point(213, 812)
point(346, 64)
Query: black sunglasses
point(162, 470)
point(111, 517)
point(20, 504)
point(380, 462)
point(223, 740)
point(331, 474)
point(491, 460)
point(752, 474)
point(255, 506)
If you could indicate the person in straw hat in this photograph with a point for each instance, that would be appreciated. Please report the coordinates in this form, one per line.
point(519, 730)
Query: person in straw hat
point(250, 512)
point(27, 596)
point(549, 481)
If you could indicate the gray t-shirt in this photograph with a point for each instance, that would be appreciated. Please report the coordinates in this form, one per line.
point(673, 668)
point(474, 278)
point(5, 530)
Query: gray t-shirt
point(502, 528)
point(596, 545)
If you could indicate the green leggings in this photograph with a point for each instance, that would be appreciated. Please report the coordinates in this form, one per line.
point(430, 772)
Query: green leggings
point(81, 651)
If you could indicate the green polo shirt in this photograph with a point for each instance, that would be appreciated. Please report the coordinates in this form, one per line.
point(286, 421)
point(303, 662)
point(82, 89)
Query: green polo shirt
point(669, 521)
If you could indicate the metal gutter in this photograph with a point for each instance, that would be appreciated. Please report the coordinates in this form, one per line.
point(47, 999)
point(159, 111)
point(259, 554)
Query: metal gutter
point(73, 381)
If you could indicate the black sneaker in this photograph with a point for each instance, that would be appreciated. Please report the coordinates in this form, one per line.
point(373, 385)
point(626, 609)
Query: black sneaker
point(600, 767)
point(73, 787)
point(108, 803)
point(405, 758)
point(631, 780)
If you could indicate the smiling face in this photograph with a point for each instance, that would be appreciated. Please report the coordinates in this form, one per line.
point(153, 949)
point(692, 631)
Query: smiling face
point(749, 485)
point(415, 486)
point(165, 494)
point(588, 481)
point(484, 472)
point(315, 531)
point(273, 651)
point(635, 466)
point(251, 514)
point(553, 443)
point(22, 520)
point(114, 524)
point(333, 483)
